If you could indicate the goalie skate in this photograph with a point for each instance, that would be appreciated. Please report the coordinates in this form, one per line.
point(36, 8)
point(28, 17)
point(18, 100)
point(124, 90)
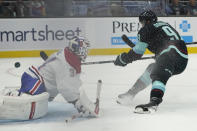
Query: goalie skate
point(125, 99)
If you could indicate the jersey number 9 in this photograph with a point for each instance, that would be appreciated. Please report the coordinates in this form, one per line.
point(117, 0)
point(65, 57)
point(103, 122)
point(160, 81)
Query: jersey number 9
point(173, 35)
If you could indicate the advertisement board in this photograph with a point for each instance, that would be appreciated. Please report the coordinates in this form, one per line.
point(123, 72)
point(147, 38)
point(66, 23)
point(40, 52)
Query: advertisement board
point(103, 33)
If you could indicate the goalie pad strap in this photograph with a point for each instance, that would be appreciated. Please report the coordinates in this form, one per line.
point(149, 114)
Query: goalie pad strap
point(33, 106)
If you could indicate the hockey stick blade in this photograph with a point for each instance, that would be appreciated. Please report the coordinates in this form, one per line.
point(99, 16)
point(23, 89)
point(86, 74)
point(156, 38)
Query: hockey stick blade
point(43, 55)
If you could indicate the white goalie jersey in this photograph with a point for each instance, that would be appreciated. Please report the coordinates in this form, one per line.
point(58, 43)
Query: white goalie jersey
point(61, 74)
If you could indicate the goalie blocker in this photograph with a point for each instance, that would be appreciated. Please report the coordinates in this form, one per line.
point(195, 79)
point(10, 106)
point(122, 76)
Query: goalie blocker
point(24, 107)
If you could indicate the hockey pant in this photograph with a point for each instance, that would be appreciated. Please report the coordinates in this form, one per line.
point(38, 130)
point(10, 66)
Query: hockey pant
point(171, 62)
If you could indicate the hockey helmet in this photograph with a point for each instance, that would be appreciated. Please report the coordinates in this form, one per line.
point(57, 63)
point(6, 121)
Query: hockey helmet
point(148, 15)
point(79, 45)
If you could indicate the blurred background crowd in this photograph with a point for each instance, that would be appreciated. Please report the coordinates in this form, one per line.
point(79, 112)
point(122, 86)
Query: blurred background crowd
point(94, 8)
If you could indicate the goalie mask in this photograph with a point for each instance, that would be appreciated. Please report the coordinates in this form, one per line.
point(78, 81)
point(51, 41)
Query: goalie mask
point(79, 45)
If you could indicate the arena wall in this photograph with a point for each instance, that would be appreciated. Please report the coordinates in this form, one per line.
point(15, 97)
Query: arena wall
point(27, 37)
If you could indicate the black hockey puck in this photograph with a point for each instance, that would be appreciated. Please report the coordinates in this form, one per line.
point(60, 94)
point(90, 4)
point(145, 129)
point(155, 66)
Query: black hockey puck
point(17, 64)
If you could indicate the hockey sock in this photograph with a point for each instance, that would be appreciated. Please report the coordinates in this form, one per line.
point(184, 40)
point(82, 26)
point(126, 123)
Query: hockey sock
point(157, 91)
point(142, 82)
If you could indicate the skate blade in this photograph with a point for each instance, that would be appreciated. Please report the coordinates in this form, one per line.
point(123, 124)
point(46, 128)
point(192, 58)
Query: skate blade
point(142, 111)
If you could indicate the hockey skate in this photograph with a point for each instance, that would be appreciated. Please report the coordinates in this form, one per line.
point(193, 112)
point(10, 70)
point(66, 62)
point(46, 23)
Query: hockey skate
point(151, 107)
point(125, 98)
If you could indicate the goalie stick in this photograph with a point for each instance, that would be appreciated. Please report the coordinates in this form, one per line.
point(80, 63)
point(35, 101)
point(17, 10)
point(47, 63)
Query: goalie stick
point(97, 104)
point(98, 94)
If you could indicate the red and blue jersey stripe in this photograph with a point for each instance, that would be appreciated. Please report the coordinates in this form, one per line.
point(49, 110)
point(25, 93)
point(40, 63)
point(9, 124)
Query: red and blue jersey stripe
point(32, 83)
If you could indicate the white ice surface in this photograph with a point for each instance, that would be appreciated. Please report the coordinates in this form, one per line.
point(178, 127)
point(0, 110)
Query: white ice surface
point(178, 112)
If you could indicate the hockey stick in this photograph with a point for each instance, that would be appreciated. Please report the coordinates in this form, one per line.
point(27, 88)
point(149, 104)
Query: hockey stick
point(97, 104)
point(97, 62)
point(44, 56)
point(127, 41)
point(131, 44)
point(112, 61)
point(191, 43)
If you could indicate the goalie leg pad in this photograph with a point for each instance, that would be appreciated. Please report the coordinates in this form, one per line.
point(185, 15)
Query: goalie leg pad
point(24, 107)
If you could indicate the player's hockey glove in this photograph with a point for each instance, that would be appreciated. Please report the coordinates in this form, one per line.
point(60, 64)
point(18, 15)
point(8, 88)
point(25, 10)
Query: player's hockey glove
point(125, 58)
point(122, 60)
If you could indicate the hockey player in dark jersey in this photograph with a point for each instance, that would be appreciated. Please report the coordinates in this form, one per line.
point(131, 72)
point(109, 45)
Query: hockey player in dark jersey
point(171, 59)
